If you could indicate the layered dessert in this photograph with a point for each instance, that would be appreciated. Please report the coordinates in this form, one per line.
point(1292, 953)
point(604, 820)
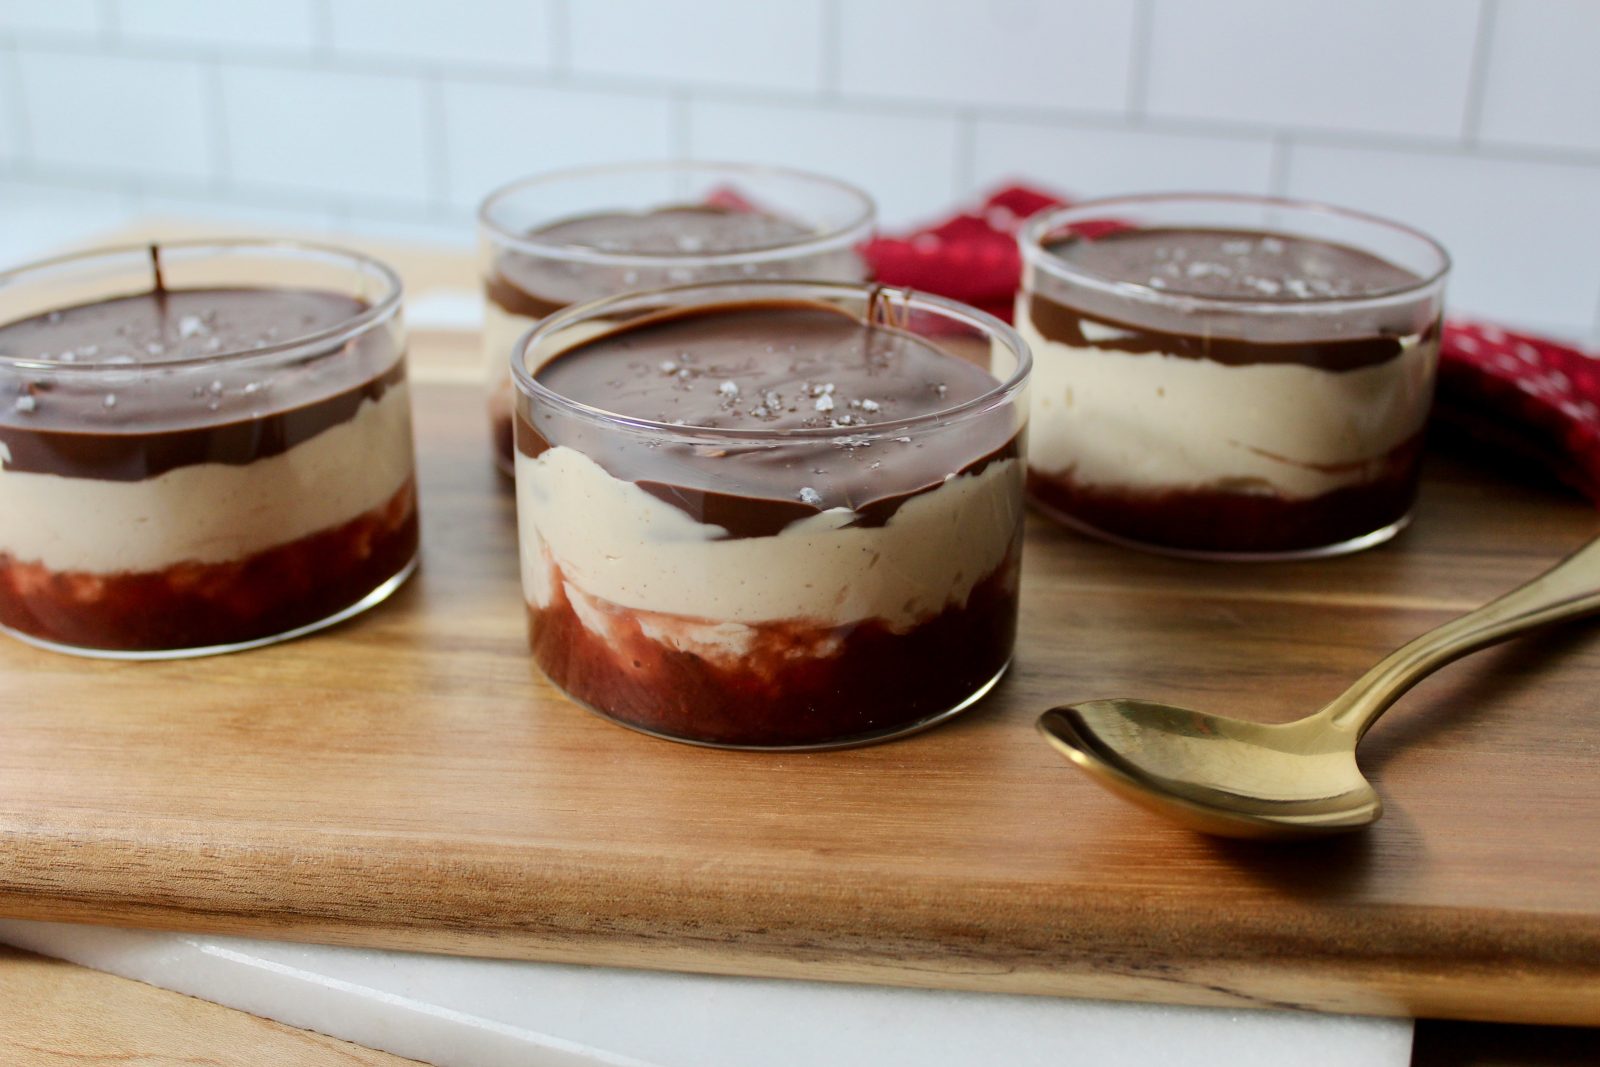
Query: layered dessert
point(1226, 391)
point(749, 545)
point(667, 245)
point(154, 500)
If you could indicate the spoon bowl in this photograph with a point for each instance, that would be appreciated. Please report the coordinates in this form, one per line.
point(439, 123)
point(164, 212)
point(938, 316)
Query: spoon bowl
point(1296, 779)
point(1214, 774)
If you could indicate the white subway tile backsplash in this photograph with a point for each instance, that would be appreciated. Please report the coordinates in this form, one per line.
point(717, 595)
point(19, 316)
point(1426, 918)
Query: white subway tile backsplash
point(908, 162)
point(129, 117)
point(701, 42)
point(245, 24)
point(10, 110)
point(497, 133)
point(80, 17)
point(507, 33)
point(1543, 81)
point(37, 220)
point(459, 234)
point(398, 115)
point(244, 217)
point(353, 135)
point(1069, 54)
point(1360, 65)
point(1523, 234)
point(1104, 162)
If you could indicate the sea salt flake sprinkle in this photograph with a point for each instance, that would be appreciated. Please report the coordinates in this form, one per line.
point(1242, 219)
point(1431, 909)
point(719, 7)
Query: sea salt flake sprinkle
point(728, 388)
point(810, 496)
point(824, 403)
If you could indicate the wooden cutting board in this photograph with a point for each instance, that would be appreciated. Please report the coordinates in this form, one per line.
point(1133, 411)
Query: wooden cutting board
point(409, 780)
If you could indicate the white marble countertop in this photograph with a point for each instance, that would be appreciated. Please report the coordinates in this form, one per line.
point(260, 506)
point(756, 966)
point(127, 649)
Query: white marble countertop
point(458, 1012)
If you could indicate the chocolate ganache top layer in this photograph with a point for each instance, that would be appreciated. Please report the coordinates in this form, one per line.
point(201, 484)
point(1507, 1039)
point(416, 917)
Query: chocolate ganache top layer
point(1245, 266)
point(122, 413)
point(534, 286)
point(772, 366)
point(175, 324)
point(1234, 264)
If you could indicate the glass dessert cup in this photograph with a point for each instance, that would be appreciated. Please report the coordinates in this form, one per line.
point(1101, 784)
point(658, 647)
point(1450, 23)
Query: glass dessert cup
point(1229, 377)
point(835, 562)
point(576, 235)
point(204, 447)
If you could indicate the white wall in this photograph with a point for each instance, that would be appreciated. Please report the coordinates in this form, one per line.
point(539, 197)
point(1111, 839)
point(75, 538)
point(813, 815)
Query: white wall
point(1476, 119)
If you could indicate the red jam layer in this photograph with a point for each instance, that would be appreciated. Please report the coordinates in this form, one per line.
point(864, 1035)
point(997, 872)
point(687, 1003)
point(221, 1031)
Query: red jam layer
point(1210, 520)
point(798, 684)
point(206, 605)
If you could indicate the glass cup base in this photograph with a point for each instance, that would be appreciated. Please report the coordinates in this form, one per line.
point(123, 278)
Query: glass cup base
point(1340, 548)
point(372, 599)
point(854, 741)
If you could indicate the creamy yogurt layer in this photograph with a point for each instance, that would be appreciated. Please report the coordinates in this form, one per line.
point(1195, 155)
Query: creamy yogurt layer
point(610, 540)
point(209, 512)
point(1155, 420)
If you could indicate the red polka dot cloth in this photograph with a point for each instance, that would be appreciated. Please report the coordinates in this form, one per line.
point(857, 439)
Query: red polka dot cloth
point(1531, 397)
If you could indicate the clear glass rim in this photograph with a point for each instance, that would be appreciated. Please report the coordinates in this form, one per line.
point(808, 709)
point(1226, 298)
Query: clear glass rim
point(844, 235)
point(908, 299)
point(1033, 235)
point(381, 311)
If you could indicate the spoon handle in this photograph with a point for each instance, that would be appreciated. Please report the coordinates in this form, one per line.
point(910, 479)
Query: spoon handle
point(1566, 591)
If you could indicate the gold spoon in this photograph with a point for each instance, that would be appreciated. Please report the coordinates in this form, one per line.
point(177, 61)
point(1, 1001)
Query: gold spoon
point(1296, 779)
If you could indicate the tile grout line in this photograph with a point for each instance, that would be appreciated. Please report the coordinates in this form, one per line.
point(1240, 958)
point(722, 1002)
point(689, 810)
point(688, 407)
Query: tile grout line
point(436, 138)
point(234, 196)
point(1478, 76)
point(966, 156)
point(1278, 166)
point(10, 79)
point(221, 149)
point(110, 24)
point(1139, 61)
point(766, 95)
point(322, 32)
point(830, 57)
point(20, 126)
point(681, 121)
point(559, 50)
